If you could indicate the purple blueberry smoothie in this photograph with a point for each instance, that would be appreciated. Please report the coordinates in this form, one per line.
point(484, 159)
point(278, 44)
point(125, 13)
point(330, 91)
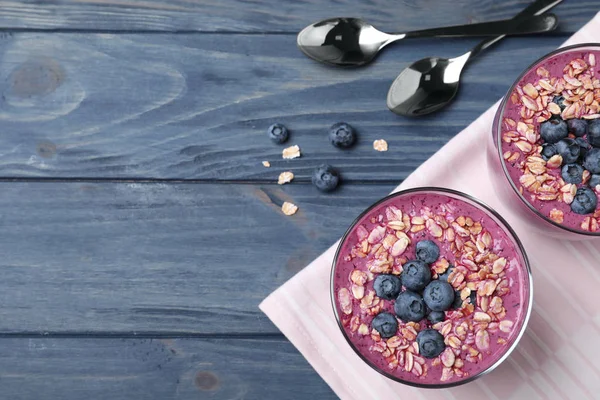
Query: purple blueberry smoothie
point(549, 134)
point(464, 247)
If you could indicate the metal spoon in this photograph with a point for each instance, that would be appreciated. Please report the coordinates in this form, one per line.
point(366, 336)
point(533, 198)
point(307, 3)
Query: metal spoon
point(431, 83)
point(353, 42)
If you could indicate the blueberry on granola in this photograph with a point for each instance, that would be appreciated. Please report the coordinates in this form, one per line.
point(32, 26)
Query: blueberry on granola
point(446, 274)
point(458, 302)
point(592, 161)
point(553, 130)
point(410, 306)
point(427, 251)
point(585, 201)
point(436, 316)
point(548, 151)
point(578, 127)
point(325, 178)
point(594, 181)
point(438, 295)
point(415, 275)
point(593, 136)
point(386, 324)
point(569, 150)
point(431, 343)
point(559, 101)
point(278, 133)
point(342, 135)
point(387, 286)
point(473, 297)
point(572, 173)
point(584, 147)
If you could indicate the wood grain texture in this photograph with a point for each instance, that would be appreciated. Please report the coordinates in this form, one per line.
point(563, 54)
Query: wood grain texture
point(160, 259)
point(266, 15)
point(198, 106)
point(125, 369)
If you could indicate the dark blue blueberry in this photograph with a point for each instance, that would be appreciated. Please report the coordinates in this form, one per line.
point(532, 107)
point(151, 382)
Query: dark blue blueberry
point(569, 150)
point(438, 295)
point(584, 147)
point(559, 101)
point(278, 133)
point(457, 303)
point(473, 297)
point(553, 130)
point(436, 316)
point(592, 161)
point(325, 178)
point(548, 151)
point(387, 286)
point(572, 173)
point(593, 136)
point(415, 275)
point(446, 274)
point(386, 324)
point(585, 201)
point(431, 343)
point(578, 127)
point(427, 251)
point(410, 306)
point(342, 135)
point(594, 181)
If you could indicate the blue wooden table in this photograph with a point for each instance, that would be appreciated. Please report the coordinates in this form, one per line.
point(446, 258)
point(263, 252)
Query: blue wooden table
point(139, 227)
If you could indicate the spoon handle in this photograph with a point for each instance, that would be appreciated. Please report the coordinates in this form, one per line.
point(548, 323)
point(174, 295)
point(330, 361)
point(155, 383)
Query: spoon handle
point(534, 24)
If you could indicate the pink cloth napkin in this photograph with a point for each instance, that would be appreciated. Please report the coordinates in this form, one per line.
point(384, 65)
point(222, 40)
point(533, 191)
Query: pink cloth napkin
point(557, 358)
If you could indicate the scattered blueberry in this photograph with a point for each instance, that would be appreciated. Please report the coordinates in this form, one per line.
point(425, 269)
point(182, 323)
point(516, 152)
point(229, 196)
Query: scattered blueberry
point(278, 133)
point(594, 181)
point(446, 274)
point(593, 136)
point(572, 173)
point(554, 130)
point(577, 127)
point(410, 306)
point(387, 286)
point(342, 135)
point(427, 251)
point(584, 147)
point(325, 178)
point(416, 275)
point(473, 297)
point(592, 161)
point(585, 201)
point(457, 303)
point(548, 151)
point(436, 316)
point(559, 101)
point(431, 343)
point(438, 295)
point(386, 324)
point(569, 150)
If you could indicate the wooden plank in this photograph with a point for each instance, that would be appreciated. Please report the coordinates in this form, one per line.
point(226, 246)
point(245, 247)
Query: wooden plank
point(198, 106)
point(267, 15)
point(158, 258)
point(125, 369)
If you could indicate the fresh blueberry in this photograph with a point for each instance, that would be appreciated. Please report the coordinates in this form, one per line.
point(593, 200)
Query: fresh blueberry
point(584, 147)
point(386, 324)
point(572, 173)
point(278, 133)
point(387, 286)
point(410, 306)
point(325, 178)
point(446, 274)
point(438, 295)
point(559, 101)
point(436, 316)
point(342, 135)
point(431, 343)
point(592, 161)
point(569, 150)
point(416, 275)
point(457, 303)
point(578, 127)
point(548, 151)
point(553, 130)
point(427, 251)
point(594, 181)
point(473, 297)
point(585, 201)
point(593, 136)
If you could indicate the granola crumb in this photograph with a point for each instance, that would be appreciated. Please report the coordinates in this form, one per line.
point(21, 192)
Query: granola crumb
point(380, 145)
point(266, 164)
point(291, 152)
point(285, 177)
point(289, 208)
point(557, 216)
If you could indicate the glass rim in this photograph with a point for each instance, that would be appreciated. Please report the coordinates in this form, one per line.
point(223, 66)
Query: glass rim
point(498, 122)
point(501, 221)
